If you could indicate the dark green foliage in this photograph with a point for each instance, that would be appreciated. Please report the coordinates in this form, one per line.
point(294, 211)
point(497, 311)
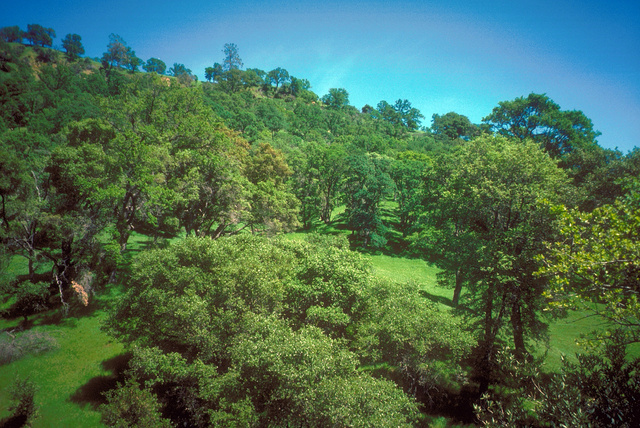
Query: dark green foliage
point(278, 77)
point(453, 128)
point(537, 117)
point(11, 34)
point(30, 298)
point(367, 184)
point(337, 98)
point(24, 409)
point(401, 114)
point(38, 35)
point(72, 43)
point(155, 65)
point(118, 54)
point(232, 59)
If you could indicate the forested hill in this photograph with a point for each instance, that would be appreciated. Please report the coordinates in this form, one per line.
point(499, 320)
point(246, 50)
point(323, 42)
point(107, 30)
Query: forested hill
point(525, 216)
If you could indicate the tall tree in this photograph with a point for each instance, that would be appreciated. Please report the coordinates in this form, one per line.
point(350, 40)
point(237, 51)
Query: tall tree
point(367, 183)
point(72, 43)
point(118, 54)
point(490, 198)
point(232, 59)
point(410, 117)
point(537, 117)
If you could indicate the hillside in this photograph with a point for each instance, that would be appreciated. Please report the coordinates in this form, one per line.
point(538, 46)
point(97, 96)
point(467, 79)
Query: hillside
point(244, 251)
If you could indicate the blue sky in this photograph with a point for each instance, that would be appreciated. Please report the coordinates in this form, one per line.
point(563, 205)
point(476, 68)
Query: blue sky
point(462, 56)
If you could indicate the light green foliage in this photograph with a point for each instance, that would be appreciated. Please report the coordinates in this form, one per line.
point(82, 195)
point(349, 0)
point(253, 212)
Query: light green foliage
point(596, 265)
point(250, 330)
point(130, 406)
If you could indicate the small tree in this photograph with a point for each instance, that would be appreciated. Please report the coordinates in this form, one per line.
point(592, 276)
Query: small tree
point(336, 98)
point(11, 34)
point(39, 35)
point(155, 65)
point(129, 405)
point(73, 45)
point(24, 409)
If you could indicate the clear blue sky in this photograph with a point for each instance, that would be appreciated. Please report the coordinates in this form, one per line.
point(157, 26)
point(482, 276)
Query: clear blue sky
point(462, 56)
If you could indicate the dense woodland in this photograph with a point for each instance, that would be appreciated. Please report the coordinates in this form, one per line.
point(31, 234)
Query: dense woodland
point(229, 321)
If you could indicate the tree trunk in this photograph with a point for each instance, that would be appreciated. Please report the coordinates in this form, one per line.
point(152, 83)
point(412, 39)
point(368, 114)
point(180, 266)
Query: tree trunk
point(458, 289)
point(518, 331)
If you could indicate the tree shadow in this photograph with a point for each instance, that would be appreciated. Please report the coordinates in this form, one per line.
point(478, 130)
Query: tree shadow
point(437, 299)
point(92, 392)
point(15, 421)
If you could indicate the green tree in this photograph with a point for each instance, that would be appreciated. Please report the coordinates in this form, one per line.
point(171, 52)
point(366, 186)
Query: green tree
point(11, 34)
point(182, 73)
point(272, 205)
point(410, 117)
point(538, 118)
point(278, 77)
point(72, 43)
point(453, 128)
point(367, 184)
point(129, 405)
point(39, 35)
point(155, 65)
point(596, 260)
point(490, 199)
point(118, 54)
point(337, 98)
point(24, 410)
point(406, 173)
point(214, 74)
point(331, 163)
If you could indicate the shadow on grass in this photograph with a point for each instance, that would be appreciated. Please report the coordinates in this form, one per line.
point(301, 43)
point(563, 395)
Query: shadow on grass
point(91, 393)
point(15, 421)
point(437, 299)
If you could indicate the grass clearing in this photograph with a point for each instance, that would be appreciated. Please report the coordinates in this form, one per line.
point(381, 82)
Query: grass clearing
point(70, 378)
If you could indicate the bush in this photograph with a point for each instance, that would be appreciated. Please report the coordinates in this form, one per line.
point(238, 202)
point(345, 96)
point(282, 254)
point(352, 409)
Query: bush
point(24, 409)
point(130, 406)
